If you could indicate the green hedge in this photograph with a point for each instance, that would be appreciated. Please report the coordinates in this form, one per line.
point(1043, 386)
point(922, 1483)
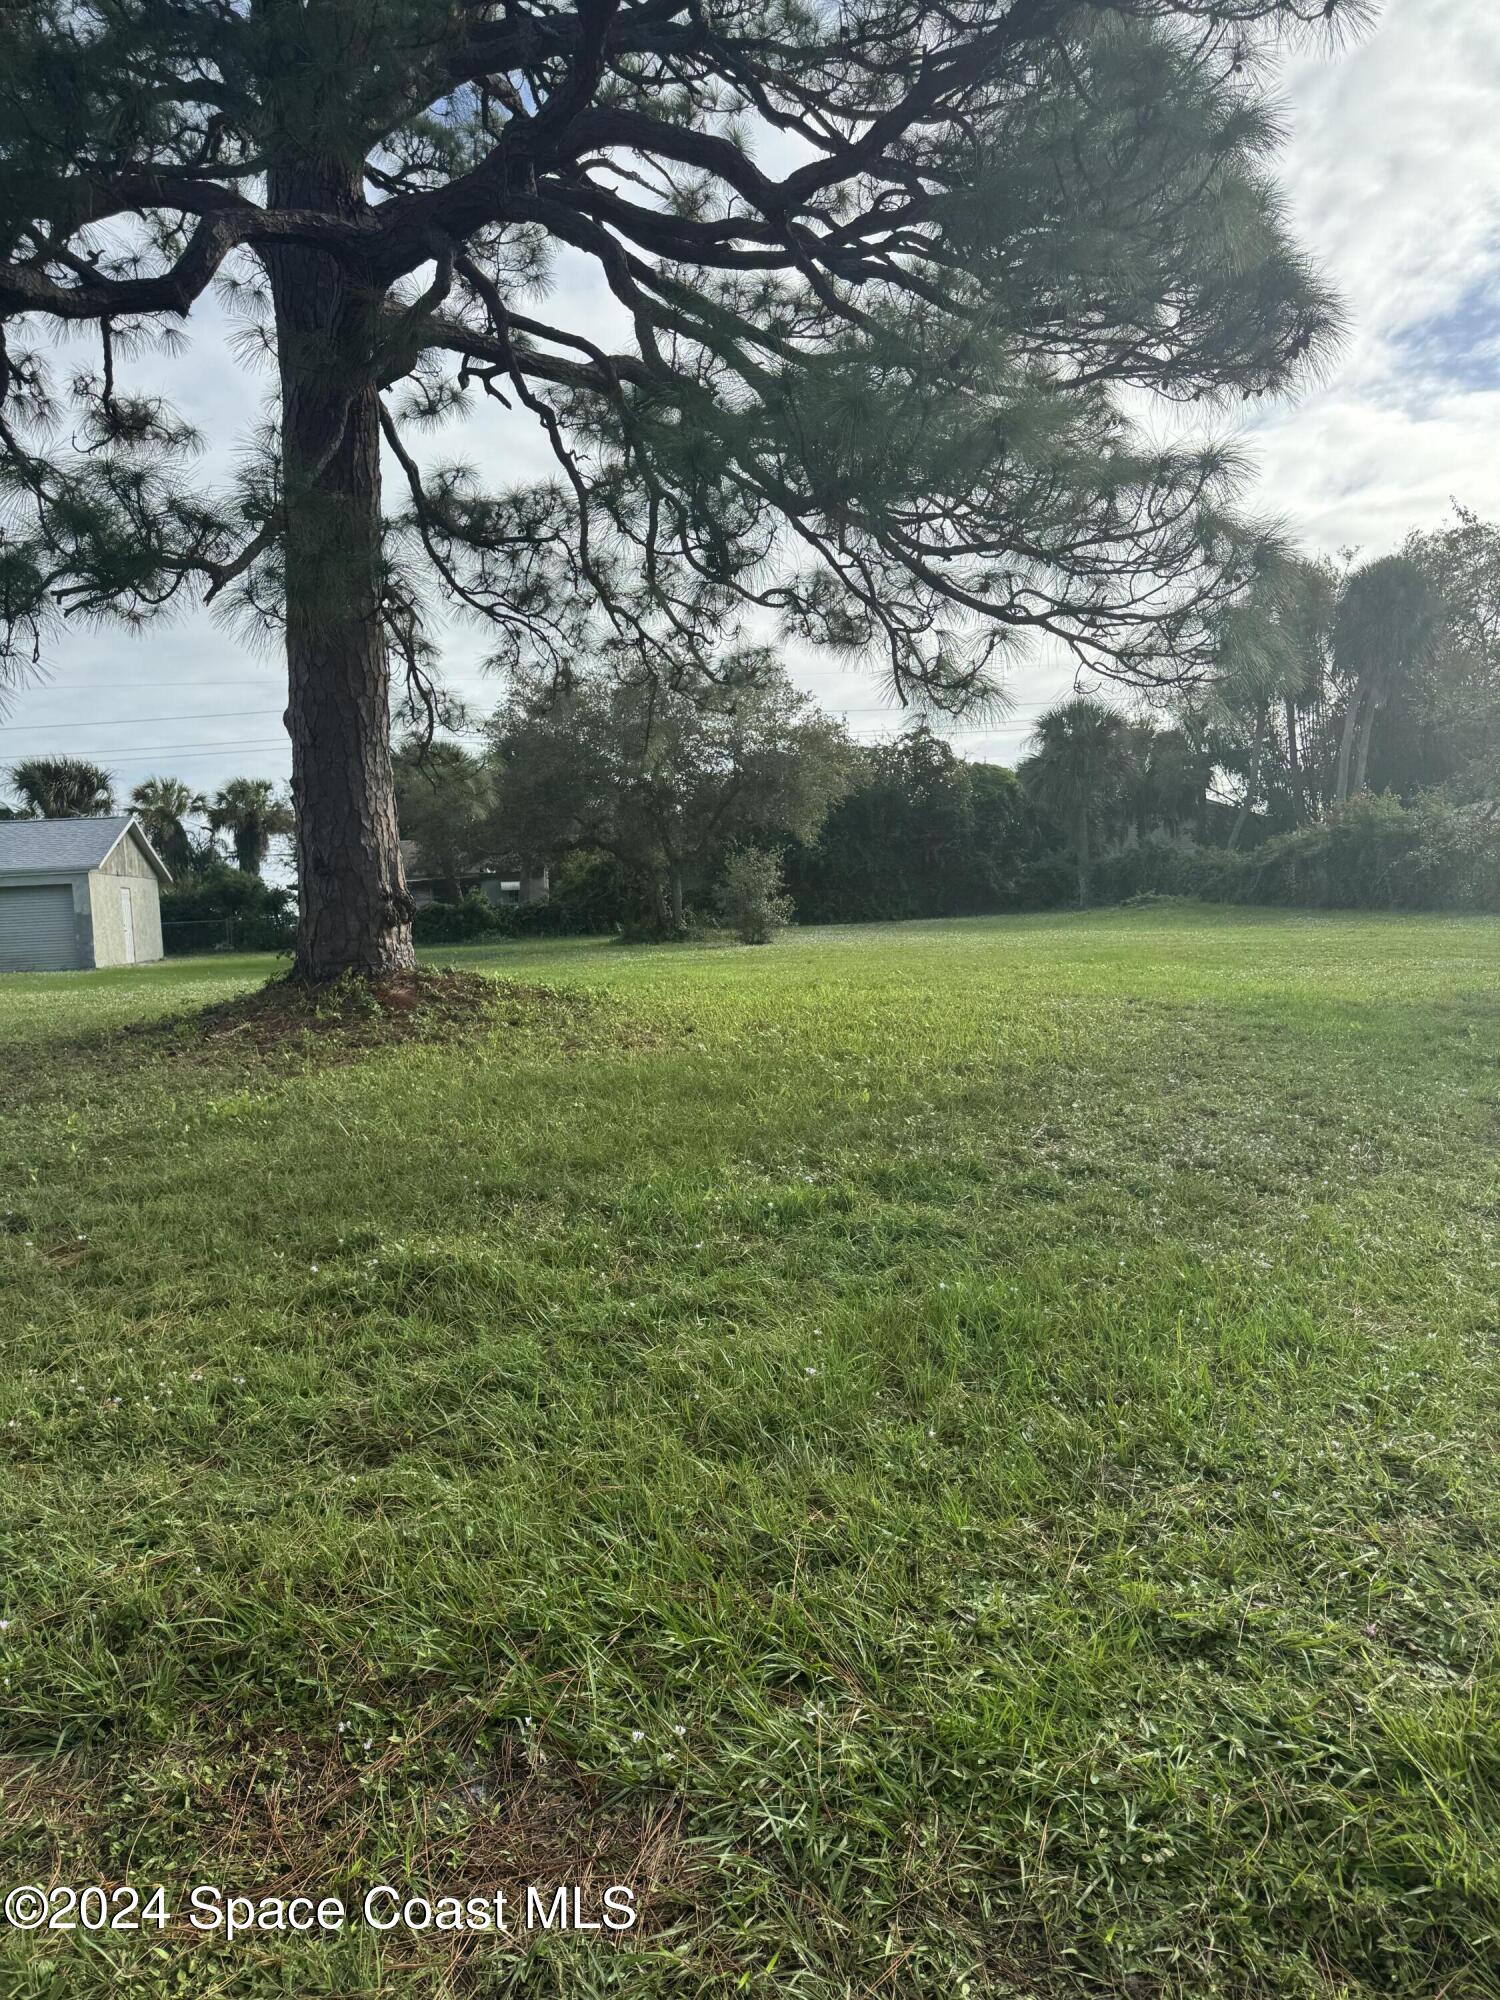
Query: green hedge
point(474, 918)
point(222, 908)
point(1372, 854)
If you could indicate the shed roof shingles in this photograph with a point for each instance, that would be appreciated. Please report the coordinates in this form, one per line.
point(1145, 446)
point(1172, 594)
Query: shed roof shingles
point(31, 845)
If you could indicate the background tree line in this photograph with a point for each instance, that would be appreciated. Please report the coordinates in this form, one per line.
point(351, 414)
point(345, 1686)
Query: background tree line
point(1347, 752)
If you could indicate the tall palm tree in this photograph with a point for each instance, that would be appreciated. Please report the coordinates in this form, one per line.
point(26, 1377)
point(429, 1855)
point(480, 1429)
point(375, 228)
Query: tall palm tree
point(1076, 771)
point(63, 787)
point(161, 805)
point(1388, 627)
point(252, 812)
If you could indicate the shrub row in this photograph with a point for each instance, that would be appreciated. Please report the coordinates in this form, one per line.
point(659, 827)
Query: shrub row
point(475, 918)
point(1371, 854)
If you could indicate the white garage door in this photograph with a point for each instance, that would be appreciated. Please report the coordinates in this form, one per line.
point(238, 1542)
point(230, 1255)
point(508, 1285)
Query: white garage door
point(38, 931)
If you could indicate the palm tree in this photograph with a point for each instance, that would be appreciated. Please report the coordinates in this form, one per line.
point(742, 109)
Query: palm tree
point(1076, 771)
point(161, 805)
point(252, 812)
point(1388, 627)
point(1180, 771)
point(63, 787)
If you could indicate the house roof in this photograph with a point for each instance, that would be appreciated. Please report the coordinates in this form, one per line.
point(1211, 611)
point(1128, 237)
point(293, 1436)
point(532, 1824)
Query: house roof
point(69, 846)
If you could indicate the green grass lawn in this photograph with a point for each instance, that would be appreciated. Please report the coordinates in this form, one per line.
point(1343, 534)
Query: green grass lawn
point(957, 1459)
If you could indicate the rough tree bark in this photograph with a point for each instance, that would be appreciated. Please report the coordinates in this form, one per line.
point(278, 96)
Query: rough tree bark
point(354, 909)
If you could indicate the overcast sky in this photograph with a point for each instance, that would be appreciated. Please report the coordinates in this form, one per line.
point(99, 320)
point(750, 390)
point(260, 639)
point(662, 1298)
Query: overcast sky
point(1393, 176)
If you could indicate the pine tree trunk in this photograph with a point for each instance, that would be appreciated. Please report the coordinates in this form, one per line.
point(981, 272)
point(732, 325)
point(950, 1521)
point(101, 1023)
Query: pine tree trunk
point(354, 909)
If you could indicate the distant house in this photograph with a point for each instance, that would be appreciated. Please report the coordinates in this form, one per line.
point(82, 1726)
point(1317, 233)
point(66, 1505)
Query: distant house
point(76, 893)
point(502, 881)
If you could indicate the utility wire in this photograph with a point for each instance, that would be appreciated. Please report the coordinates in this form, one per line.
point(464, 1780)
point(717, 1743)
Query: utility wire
point(140, 721)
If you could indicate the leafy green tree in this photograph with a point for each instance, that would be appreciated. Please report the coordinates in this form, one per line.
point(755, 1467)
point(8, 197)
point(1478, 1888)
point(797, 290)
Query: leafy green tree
point(215, 904)
point(445, 802)
point(920, 833)
point(751, 895)
point(1078, 773)
point(667, 779)
point(1459, 706)
point(253, 814)
point(63, 787)
point(163, 806)
point(882, 393)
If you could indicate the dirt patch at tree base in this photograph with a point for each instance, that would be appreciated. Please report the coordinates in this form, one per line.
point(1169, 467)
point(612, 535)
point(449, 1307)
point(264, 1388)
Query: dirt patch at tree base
point(355, 1014)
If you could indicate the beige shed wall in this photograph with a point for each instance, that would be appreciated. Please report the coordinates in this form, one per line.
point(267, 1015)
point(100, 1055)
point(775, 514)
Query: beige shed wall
point(127, 859)
point(105, 890)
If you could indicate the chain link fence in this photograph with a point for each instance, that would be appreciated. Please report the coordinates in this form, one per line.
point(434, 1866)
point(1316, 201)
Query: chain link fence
point(210, 934)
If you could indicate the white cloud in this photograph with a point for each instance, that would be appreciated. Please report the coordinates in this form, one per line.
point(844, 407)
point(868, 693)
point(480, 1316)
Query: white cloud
point(1393, 179)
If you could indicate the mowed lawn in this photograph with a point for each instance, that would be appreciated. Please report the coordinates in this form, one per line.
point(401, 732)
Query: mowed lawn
point(957, 1459)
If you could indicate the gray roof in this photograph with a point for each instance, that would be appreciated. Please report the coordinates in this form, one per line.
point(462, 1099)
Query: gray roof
point(67, 846)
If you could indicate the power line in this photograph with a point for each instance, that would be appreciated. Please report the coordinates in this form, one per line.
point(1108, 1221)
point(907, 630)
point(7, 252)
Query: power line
point(125, 686)
point(138, 754)
point(140, 721)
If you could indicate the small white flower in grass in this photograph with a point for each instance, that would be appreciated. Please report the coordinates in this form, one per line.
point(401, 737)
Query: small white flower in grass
point(809, 1371)
point(679, 1729)
point(4, 1624)
point(369, 1743)
point(932, 1434)
point(312, 1267)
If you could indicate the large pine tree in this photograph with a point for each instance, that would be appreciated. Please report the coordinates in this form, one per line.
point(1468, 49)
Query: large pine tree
point(882, 277)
